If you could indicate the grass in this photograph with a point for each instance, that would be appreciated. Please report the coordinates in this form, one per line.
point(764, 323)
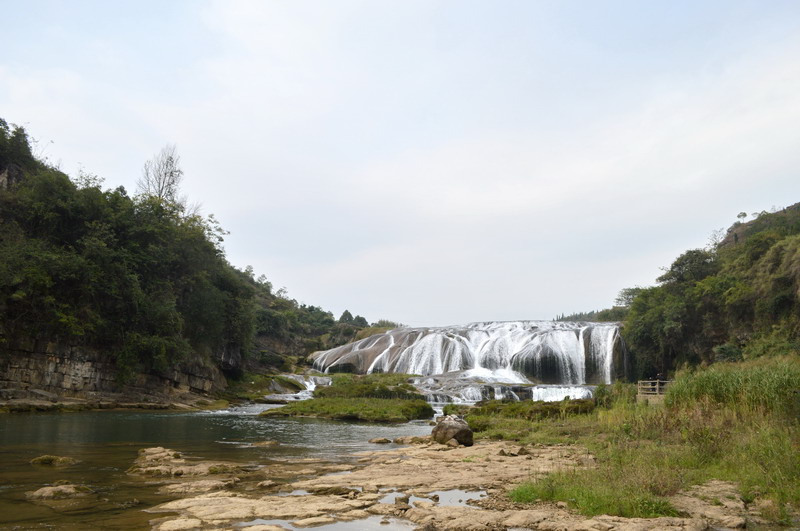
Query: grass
point(593, 499)
point(388, 385)
point(733, 422)
point(371, 398)
point(361, 409)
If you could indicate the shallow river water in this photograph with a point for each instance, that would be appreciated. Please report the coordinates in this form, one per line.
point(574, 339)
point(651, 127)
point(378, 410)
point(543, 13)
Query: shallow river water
point(107, 442)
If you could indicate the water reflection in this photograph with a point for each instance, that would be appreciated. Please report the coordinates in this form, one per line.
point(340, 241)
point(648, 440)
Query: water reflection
point(107, 442)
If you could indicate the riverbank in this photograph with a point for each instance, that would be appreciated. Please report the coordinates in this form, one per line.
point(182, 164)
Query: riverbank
point(47, 402)
point(430, 487)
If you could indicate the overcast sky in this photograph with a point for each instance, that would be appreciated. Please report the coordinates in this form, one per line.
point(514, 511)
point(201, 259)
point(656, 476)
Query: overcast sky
point(429, 162)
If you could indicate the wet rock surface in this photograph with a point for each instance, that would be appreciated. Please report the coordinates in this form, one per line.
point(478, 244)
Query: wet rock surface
point(60, 492)
point(53, 460)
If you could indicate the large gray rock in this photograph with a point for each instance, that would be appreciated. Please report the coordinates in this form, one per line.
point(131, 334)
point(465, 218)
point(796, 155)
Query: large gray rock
point(452, 427)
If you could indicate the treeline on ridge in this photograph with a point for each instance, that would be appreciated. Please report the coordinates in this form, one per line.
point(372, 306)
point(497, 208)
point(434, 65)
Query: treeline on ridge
point(142, 278)
point(737, 299)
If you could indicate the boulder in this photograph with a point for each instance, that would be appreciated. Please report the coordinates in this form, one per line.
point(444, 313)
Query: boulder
point(380, 440)
point(452, 427)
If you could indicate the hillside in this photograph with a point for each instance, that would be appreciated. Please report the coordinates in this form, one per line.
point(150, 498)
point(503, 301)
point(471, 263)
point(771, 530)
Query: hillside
point(739, 299)
point(135, 283)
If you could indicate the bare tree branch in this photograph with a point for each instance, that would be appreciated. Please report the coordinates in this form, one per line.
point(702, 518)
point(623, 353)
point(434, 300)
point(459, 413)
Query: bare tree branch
point(162, 175)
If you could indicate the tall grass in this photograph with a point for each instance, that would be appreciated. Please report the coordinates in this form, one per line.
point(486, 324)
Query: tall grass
point(769, 385)
point(736, 423)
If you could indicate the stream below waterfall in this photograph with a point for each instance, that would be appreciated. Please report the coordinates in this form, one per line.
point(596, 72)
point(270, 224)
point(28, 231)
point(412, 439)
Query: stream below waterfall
point(106, 443)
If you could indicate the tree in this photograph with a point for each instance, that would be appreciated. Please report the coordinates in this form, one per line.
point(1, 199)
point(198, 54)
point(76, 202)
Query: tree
point(162, 175)
point(626, 296)
point(346, 317)
point(692, 266)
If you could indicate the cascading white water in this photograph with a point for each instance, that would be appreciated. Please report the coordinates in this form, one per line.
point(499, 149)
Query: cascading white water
point(554, 393)
point(520, 352)
point(500, 360)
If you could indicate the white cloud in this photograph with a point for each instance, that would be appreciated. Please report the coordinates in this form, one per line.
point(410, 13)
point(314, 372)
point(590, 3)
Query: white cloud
point(409, 162)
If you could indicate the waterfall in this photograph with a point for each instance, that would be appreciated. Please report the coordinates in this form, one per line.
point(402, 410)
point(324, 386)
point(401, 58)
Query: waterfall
point(516, 352)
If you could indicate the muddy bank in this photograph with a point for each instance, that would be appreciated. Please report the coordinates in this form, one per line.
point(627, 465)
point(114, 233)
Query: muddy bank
point(432, 486)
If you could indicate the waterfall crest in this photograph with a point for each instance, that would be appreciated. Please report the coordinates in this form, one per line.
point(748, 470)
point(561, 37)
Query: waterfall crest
point(515, 352)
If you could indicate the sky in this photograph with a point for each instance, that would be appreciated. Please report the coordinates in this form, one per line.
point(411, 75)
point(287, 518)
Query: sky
point(428, 162)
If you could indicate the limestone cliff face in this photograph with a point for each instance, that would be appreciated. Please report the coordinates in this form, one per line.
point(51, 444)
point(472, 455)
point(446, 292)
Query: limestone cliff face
point(82, 373)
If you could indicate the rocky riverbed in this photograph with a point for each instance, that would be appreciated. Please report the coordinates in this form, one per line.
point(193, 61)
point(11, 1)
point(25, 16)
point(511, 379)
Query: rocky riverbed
point(428, 485)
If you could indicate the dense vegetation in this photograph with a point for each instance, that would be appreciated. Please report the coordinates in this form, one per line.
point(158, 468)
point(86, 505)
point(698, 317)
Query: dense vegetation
point(371, 397)
point(734, 300)
point(142, 278)
point(735, 421)
point(739, 299)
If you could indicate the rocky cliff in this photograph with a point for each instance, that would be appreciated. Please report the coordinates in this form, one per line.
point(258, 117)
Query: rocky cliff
point(50, 371)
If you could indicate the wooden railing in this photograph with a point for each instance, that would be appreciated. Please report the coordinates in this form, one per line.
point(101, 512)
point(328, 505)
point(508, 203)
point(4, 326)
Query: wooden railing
point(652, 387)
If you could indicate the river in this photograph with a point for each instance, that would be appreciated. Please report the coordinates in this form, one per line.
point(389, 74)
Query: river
point(107, 442)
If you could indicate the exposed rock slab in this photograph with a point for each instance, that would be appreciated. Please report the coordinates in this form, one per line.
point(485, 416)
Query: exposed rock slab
point(160, 461)
point(60, 492)
point(415, 472)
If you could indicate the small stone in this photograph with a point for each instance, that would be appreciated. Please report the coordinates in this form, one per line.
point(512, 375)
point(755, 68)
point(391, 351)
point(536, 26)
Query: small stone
point(502, 453)
point(452, 443)
point(380, 440)
point(523, 451)
point(561, 505)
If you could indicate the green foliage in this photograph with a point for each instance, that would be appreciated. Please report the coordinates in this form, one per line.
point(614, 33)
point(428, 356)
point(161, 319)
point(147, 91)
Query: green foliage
point(359, 409)
point(293, 329)
point(134, 277)
point(734, 422)
point(141, 278)
point(764, 385)
point(739, 300)
point(589, 495)
point(691, 266)
point(609, 315)
point(253, 387)
point(388, 386)
point(608, 396)
point(372, 397)
point(15, 150)
point(456, 409)
point(531, 410)
point(385, 323)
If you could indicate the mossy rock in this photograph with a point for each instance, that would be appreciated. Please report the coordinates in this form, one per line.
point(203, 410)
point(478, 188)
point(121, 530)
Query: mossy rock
point(53, 460)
